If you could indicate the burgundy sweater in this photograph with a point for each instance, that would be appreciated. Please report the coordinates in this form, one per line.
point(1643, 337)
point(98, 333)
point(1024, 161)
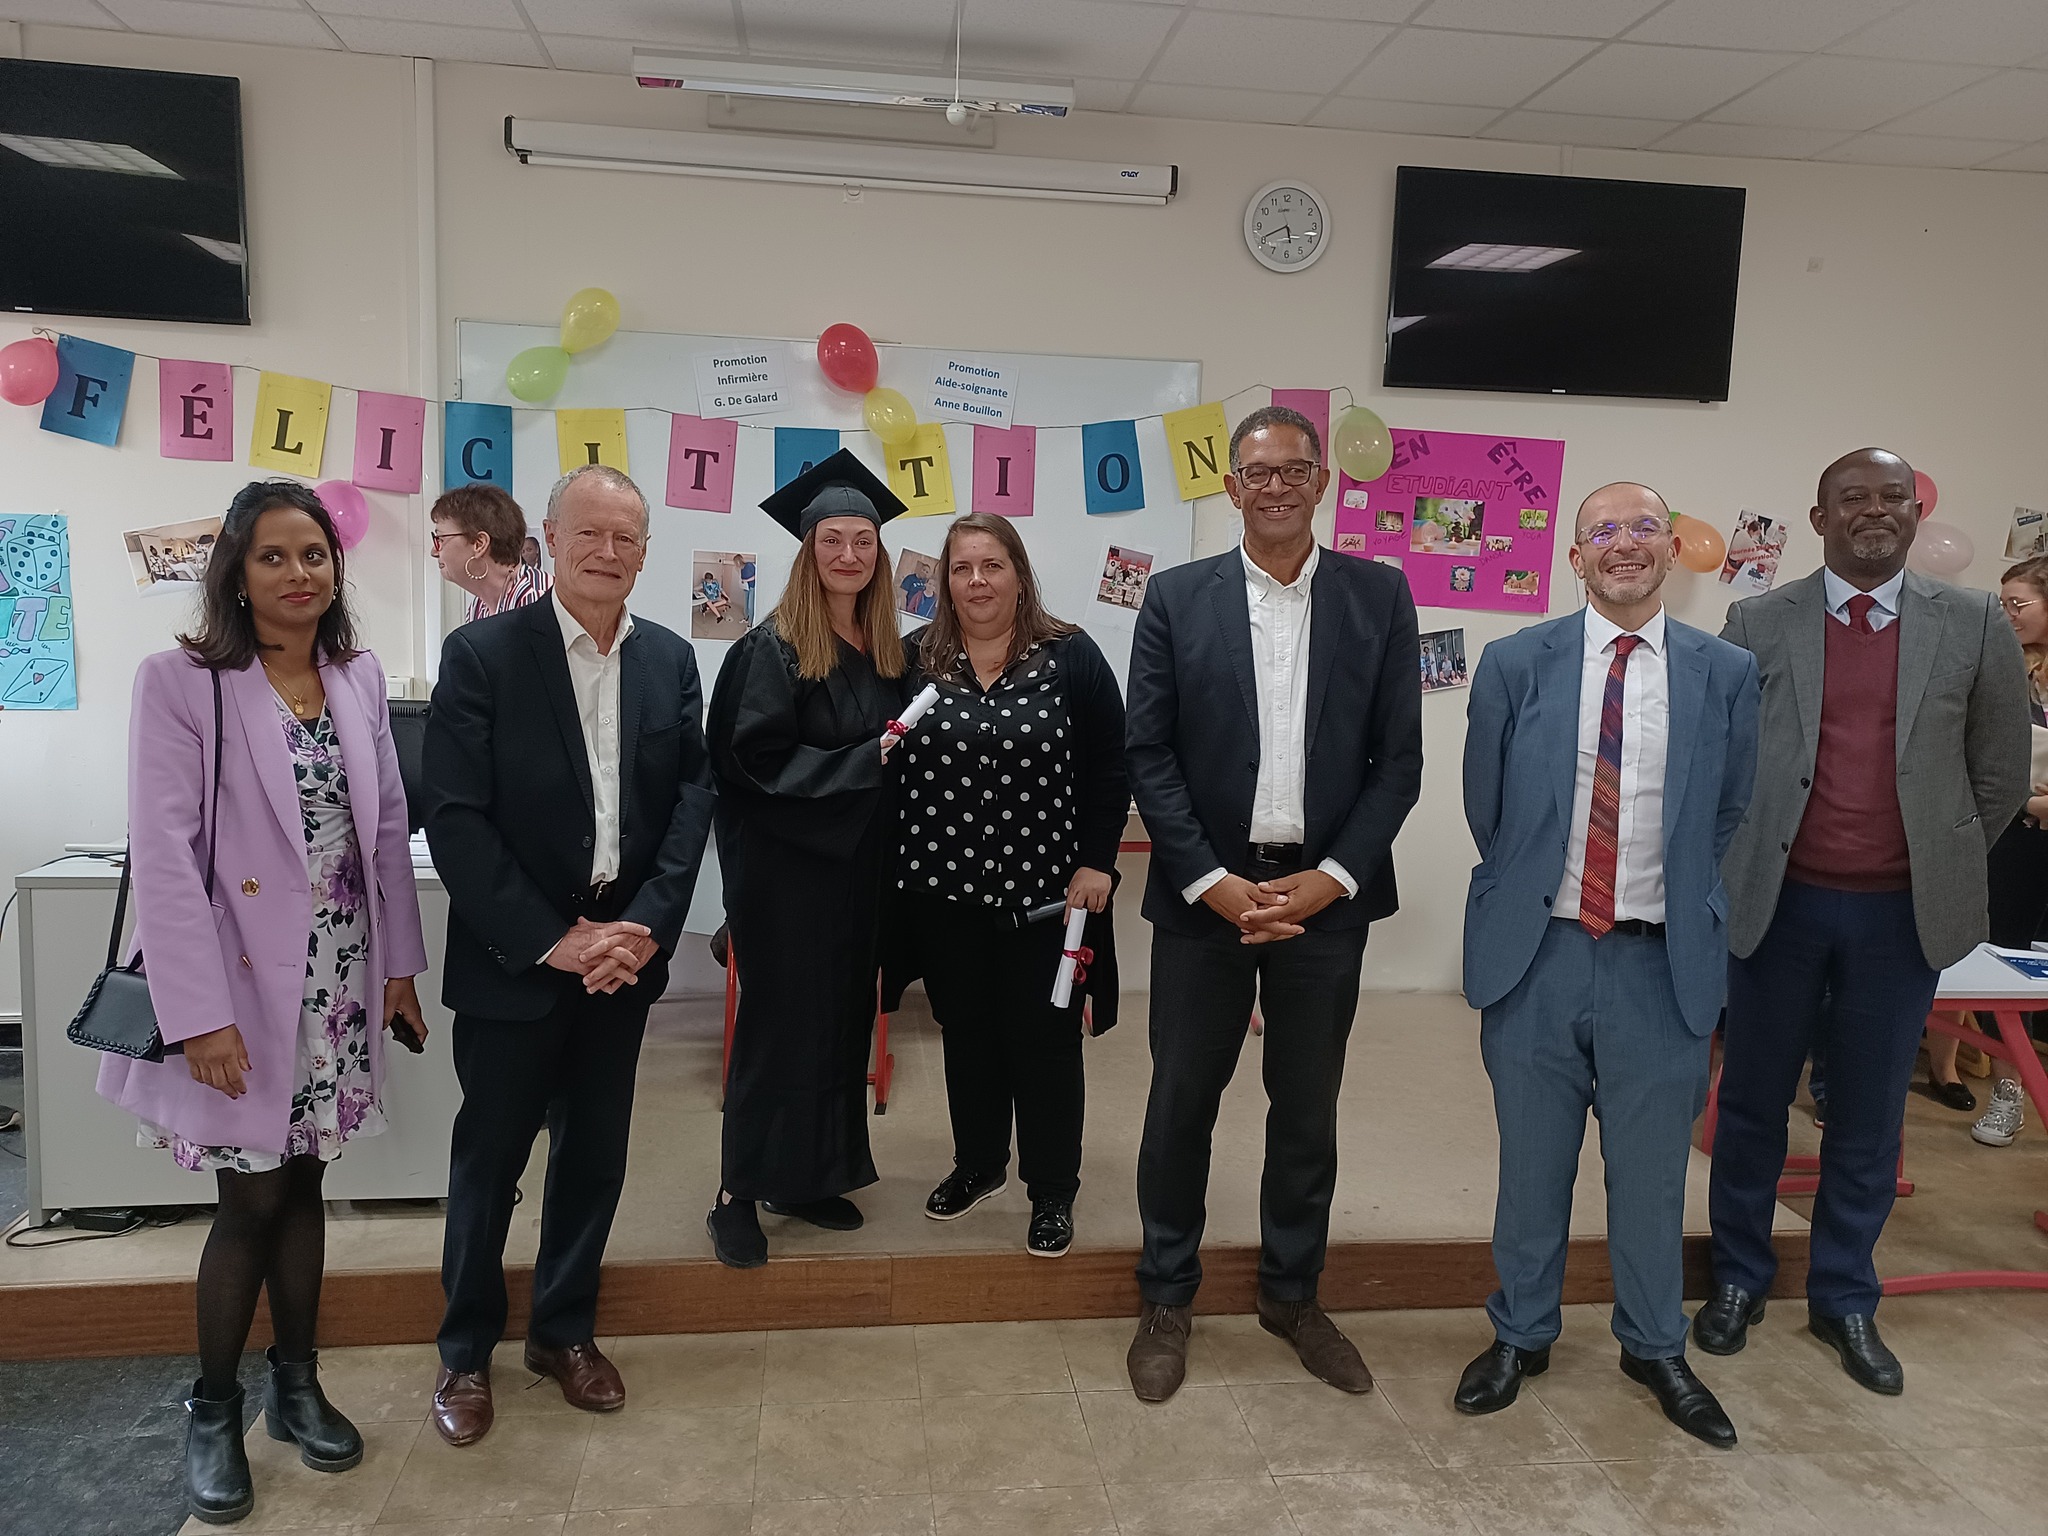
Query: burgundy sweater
point(1852, 837)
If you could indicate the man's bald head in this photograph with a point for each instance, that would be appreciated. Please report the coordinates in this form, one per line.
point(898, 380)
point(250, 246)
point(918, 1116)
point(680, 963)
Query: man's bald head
point(1867, 512)
point(1619, 501)
point(1863, 458)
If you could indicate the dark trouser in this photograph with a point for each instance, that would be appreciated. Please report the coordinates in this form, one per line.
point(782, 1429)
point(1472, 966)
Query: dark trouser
point(571, 1071)
point(1861, 950)
point(1009, 1052)
point(1202, 995)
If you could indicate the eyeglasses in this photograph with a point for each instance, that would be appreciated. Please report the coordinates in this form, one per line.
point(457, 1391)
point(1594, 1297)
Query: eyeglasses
point(436, 540)
point(1642, 530)
point(2017, 605)
point(1259, 476)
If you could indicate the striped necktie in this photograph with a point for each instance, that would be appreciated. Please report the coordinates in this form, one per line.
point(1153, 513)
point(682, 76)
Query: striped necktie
point(1603, 827)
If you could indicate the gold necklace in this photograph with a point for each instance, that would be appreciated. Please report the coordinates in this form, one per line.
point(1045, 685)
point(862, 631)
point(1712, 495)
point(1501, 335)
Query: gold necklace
point(298, 703)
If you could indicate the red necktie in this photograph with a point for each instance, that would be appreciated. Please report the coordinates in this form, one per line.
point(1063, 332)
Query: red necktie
point(1859, 613)
point(1603, 827)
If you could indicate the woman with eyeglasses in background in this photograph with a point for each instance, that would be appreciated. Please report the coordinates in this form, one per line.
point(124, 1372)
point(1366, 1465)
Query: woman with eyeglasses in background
point(479, 543)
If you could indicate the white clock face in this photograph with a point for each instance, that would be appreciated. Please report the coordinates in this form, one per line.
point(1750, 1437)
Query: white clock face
point(1286, 226)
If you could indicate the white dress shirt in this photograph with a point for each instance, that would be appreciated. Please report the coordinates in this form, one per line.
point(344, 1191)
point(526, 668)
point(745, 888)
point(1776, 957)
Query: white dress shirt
point(1645, 732)
point(1280, 613)
point(1839, 592)
point(595, 678)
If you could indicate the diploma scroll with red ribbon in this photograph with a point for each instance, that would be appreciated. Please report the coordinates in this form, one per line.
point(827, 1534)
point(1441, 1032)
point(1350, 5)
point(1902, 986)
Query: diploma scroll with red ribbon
point(1074, 959)
point(914, 711)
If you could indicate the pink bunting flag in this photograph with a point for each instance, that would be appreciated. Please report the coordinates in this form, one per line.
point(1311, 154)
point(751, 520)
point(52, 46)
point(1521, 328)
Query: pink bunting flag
point(1005, 469)
point(700, 463)
point(1315, 405)
point(195, 410)
point(390, 433)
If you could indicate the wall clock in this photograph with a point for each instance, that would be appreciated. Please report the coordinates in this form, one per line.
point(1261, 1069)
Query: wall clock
point(1286, 226)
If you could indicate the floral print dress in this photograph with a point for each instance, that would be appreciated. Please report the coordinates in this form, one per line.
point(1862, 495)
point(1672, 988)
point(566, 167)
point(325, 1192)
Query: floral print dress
point(336, 1100)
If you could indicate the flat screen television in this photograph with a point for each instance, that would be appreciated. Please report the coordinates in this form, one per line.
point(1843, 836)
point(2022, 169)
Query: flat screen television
point(1562, 285)
point(121, 193)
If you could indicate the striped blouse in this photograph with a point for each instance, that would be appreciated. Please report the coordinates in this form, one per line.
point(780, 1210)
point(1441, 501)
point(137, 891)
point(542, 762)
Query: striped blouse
point(529, 584)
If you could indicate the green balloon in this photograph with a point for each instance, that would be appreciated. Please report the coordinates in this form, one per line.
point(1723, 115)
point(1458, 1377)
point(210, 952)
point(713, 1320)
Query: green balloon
point(537, 373)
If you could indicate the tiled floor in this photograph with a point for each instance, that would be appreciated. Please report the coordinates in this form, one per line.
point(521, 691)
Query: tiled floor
point(1028, 1429)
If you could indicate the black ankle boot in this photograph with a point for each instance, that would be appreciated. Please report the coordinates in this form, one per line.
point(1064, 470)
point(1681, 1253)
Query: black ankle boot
point(217, 1486)
point(294, 1408)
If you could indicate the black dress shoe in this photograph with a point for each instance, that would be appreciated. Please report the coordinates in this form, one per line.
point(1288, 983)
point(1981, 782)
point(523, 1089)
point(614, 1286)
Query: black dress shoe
point(1494, 1380)
point(1721, 1327)
point(736, 1235)
point(1683, 1397)
point(835, 1213)
point(961, 1191)
point(1051, 1232)
point(1863, 1353)
point(1956, 1095)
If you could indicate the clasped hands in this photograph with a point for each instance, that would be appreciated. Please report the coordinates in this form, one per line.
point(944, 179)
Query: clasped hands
point(1272, 910)
point(607, 956)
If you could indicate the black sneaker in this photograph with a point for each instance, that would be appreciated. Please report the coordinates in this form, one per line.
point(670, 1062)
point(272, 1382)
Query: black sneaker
point(1052, 1228)
point(960, 1192)
point(736, 1235)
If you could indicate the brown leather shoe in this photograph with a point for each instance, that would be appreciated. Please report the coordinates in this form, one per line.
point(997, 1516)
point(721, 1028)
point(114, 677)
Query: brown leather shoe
point(1158, 1359)
point(1322, 1346)
point(462, 1405)
point(589, 1381)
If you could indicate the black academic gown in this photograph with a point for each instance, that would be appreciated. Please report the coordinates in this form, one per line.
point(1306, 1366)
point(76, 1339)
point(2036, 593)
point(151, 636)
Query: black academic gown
point(803, 817)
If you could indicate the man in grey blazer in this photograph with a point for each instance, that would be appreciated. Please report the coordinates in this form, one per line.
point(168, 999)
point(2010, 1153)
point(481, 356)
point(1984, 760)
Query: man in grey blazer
point(1608, 759)
point(1893, 753)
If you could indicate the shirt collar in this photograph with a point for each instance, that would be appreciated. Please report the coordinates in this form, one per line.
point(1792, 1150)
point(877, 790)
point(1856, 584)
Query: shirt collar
point(1839, 592)
point(573, 631)
point(1266, 582)
point(1601, 631)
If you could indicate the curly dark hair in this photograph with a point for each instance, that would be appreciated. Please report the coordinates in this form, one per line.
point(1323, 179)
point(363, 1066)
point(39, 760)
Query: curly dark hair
point(225, 639)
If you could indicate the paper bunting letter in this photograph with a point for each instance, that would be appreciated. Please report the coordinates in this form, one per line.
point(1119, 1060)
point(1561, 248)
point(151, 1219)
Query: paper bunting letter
point(700, 463)
point(1315, 405)
point(798, 448)
point(1109, 467)
point(476, 444)
point(91, 392)
point(1005, 461)
point(290, 430)
point(390, 430)
point(1199, 438)
point(195, 410)
point(591, 437)
point(922, 474)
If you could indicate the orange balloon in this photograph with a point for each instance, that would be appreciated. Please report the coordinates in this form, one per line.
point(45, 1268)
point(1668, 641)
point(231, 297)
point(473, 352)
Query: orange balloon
point(1700, 545)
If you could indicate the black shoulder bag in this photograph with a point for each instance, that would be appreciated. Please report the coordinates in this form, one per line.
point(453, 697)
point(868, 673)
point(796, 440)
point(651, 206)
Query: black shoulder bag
point(117, 1014)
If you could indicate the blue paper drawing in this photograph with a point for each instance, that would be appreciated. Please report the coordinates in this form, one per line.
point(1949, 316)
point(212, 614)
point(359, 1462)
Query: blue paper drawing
point(38, 649)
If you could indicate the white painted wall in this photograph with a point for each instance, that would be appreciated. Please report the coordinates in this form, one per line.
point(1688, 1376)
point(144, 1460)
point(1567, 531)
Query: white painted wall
point(1924, 330)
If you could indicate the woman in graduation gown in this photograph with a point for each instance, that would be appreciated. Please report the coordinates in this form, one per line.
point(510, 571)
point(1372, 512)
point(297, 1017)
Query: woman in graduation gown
point(805, 824)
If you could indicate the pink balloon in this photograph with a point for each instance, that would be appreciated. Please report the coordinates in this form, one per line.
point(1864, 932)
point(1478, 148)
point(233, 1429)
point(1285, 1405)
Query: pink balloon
point(28, 371)
point(349, 509)
point(1940, 549)
point(848, 358)
point(1925, 492)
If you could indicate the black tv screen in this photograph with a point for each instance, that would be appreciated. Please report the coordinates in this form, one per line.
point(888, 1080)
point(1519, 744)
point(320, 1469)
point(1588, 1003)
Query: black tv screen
point(1562, 285)
point(121, 193)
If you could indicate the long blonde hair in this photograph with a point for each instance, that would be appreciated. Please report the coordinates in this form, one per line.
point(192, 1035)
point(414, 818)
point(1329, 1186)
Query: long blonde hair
point(2033, 573)
point(804, 619)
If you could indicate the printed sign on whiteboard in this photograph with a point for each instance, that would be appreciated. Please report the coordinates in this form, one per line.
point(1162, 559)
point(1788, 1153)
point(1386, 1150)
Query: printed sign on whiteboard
point(971, 387)
point(743, 382)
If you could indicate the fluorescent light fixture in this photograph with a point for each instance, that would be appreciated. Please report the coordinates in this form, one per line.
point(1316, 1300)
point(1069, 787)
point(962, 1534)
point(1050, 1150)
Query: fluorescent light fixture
point(834, 162)
point(87, 155)
point(225, 250)
point(1503, 258)
point(821, 82)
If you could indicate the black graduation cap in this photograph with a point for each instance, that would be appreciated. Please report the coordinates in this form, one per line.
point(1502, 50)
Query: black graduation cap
point(836, 486)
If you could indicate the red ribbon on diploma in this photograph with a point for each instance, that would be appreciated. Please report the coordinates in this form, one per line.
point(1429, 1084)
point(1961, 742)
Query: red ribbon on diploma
point(1082, 958)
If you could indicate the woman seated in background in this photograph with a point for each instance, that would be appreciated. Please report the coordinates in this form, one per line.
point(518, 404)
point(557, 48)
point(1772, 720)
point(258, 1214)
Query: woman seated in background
point(479, 542)
point(276, 946)
point(1014, 800)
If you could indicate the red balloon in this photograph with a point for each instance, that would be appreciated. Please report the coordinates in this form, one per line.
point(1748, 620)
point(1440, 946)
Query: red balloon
point(848, 358)
point(28, 371)
point(1924, 491)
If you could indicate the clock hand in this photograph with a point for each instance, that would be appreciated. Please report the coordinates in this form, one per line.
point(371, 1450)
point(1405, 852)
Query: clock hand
point(1285, 233)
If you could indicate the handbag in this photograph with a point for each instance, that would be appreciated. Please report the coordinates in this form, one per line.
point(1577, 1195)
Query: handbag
point(117, 1014)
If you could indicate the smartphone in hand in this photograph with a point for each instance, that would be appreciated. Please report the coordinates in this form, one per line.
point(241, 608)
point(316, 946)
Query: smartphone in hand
point(403, 1032)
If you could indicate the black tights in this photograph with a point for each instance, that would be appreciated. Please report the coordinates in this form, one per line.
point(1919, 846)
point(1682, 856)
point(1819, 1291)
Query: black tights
point(271, 1228)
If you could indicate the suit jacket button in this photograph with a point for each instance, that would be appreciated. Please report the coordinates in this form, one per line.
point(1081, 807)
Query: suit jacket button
point(1784, 847)
point(1546, 901)
point(251, 886)
point(586, 842)
point(1806, 783)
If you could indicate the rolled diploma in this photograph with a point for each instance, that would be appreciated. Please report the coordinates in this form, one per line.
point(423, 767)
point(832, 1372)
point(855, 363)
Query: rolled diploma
point(1063, 987)
point(914, 711)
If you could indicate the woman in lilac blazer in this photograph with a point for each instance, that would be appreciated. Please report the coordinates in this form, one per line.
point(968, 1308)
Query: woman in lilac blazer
point(273, 994)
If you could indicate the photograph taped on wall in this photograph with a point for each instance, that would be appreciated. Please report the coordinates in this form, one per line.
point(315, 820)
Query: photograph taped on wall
point(1443, 660)
point(721, 594)
point(38, 650)
point(172, 556)
point(1754, 550)
point(2029, 535)
point(917, 584)
point(1124, 575)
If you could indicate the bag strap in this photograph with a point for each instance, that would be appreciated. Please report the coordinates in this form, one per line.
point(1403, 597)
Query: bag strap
point(212, 835)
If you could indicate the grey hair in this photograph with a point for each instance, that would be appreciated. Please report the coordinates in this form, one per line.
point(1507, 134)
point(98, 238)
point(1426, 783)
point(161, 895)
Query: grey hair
point(1276, 416)
point(611, 479)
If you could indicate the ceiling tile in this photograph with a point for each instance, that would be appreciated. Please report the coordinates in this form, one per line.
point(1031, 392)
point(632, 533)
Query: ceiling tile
point(1102, 95)
point(1578, 128)
point(1744, 139)
point(2032, 158)
point(222, 23)
point(1064, 39)
point(2012, 105)
point(66, 13)
point(1958, 31)
point(1437, 117)
point(1211, 103)
point(1484, 69)
point(1270, 53)
point(1641, 80)
point(913, 34)
point(1829, 92)
point(1909, 149)
point(426, 40)
point(592, 55)
point(1558, 18)
point(657, 23)
point(447, 13)
point(1332, 10)
point(1801, 25)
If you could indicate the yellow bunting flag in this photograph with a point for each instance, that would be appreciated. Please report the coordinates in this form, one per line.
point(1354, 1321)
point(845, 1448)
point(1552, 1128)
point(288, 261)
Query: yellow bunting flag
point(922, 474)
point(291, 424)
point(591, 437)
point(1199, 438)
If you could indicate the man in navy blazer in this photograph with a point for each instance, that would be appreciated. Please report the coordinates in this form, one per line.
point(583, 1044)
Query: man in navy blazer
point(1608, 761)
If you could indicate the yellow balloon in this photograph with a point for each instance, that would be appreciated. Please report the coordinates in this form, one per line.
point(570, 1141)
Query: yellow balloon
point(1363, 447)
point(889, 416)
point(1700, 545)
point(590, 316)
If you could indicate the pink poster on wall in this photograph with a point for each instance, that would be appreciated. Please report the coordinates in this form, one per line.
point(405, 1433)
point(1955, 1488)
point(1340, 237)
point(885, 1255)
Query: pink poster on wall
point(1470, 519)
